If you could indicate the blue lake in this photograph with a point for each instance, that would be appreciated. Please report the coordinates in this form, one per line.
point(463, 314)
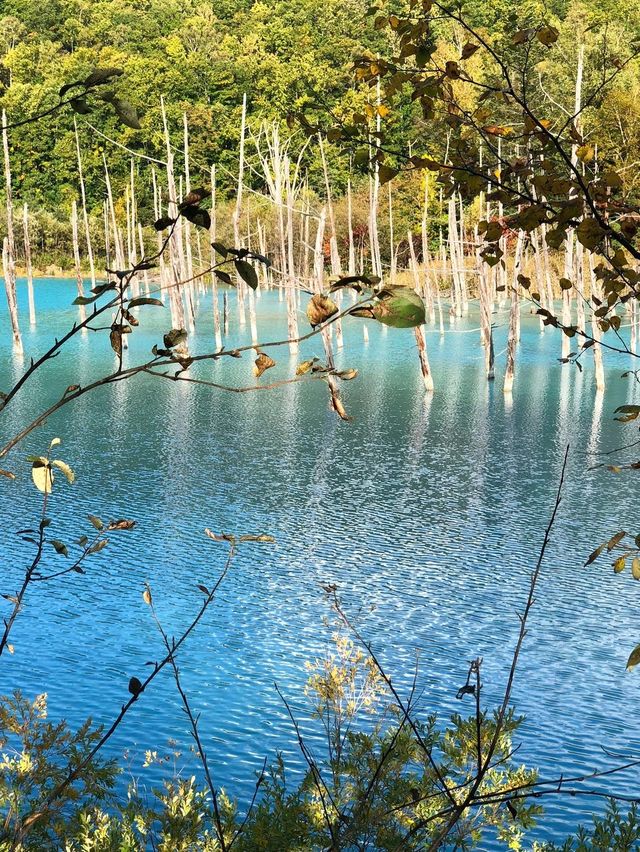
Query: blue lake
point(427, 514)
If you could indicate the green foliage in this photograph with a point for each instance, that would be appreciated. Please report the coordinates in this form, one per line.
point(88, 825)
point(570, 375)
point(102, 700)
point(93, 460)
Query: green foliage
point(615, 830)
point(379, 788)
point(35, 756)
point(201, 59)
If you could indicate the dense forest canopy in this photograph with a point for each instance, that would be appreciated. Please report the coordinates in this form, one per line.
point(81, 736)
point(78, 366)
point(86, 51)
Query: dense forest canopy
point(289, 57)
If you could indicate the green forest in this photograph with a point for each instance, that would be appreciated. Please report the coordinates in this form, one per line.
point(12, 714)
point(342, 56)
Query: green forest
point(290, 59)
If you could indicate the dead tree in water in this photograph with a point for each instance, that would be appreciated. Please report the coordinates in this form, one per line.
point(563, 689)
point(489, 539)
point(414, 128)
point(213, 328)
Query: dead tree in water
point(176, 303)
point(237, 212)
point(217, 331)
point(76, 257)
point(9, 247)
point(336, 402)
point(28, 264)
point(418, 331)
point(85, 214)
point(284, 184)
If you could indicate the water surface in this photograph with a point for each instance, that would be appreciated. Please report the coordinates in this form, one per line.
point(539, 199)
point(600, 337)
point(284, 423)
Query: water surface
point(427, 515)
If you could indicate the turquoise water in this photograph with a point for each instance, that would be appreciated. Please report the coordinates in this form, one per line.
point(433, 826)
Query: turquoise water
point(428, 515)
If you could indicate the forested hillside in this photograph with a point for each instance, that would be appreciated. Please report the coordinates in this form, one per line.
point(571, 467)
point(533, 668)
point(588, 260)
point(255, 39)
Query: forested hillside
point(288, 57)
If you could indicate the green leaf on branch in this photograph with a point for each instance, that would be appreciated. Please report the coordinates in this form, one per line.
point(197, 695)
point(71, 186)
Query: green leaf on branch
point(547, 36)
point(59, 547)
point(223, 276)
point(197, 216)
point(163, 222)
point(385, 173)
point(248, 274)
point(145, 300)
point(220, 248)
point(589, 233)
point(400, 307)
point(127, 113)
point(135, 687)
point(100, 76)
point(80, 106)
point(174, 337)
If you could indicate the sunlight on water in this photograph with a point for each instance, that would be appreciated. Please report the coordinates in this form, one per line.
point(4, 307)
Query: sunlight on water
point(427, 514)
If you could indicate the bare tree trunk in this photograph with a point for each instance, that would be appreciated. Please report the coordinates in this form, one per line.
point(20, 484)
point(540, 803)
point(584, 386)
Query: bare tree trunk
point(456, 263)
point(352, 250)
point(145, 272)
point(517, 266)
point(214, 281)
point(569, 242)
point(392, 248)
point(421, 341)
point(76, 257)
point(596, 332)
point(512, 341)
point(28, 264)
point(374, 243)
point(9, 252)
point(426, 256)
point(85, 213)
point(237, 212)
point(579, 267)
point(461, 254)
point(117, 244)
point(336, 266)
point(107, 235)
point(336, 401)
point(486, 328)
point(189, 287)
point(157, 212)
point(131, 230)
point(176, 303)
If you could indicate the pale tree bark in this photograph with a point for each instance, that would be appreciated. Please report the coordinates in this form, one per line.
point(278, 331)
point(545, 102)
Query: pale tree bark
point(76, 257)
point(176, 303)
point(418, 331)
point(426, 256)
point(237, 212)
point(117, 243)
point(188, 250)
point(214, 259)
point(352, 250)
point(9, 247)
point(85, 212)
point(569, 242)
point(512, 341)
point(336, 400)
point(28, 264)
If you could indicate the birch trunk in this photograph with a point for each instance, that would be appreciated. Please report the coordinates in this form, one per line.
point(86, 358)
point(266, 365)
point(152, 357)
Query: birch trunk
point(85, 213)
point(9, 247)
point(28, 264)
point(76, 257)
point(178, 319)
point(237, 212)
point(214, 281)
point(332, 382)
